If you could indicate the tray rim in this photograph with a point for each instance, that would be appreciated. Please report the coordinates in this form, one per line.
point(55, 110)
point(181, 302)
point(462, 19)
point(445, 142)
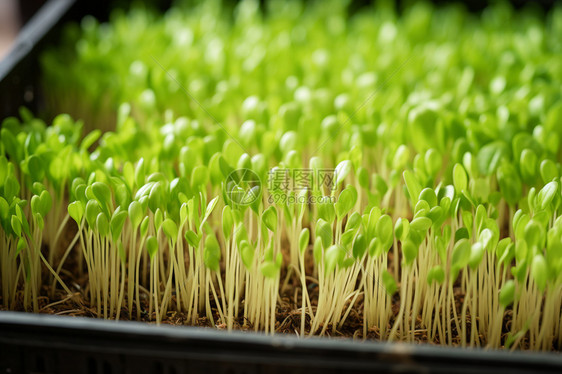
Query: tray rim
point(20, 321)
point(32, 33)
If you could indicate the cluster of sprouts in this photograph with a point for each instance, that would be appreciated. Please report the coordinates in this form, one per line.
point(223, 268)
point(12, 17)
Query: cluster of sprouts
point(419, 192)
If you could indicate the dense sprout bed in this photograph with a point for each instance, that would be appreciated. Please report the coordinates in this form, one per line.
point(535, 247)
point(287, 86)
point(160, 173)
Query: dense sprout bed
point(296, 169)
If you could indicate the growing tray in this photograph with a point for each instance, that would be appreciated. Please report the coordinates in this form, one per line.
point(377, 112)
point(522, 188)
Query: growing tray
point(51, 344)
point(54, 344)
point(19, 69)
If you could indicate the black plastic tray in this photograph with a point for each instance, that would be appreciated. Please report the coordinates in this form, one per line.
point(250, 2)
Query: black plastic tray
point(19, 69)
point(55, 344)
